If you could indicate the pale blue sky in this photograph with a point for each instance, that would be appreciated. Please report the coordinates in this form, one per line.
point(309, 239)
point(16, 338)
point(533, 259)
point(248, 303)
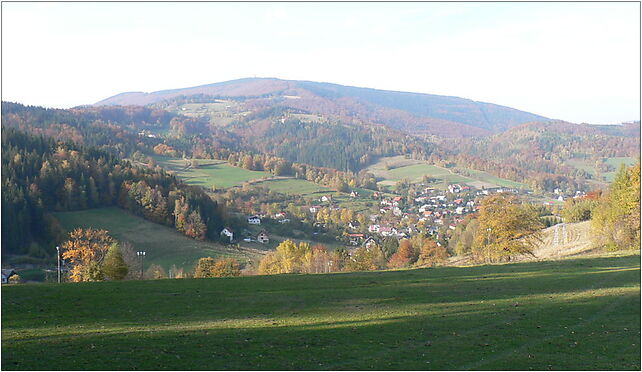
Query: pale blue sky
point(573, 61)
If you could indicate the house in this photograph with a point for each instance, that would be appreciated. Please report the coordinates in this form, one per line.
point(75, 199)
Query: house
point(459, 210)
point(454, 188)
point(387, 231)
point(263, 237)
point(369, 242)
point(354, 194)
point(355, 239)
point(6, 274)
point(315, 208)
point(561, 198)
point(374, 228)
point(354, 225)
point(280, 215)
point(254, 220)
point(376, 195)
point(326, 198)
point(228, 232)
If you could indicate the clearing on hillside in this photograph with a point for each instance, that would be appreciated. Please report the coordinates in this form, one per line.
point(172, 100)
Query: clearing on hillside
point(209, 173)
point(579, 314)
point(396, 168)
point(164, 245)
point(589, 166)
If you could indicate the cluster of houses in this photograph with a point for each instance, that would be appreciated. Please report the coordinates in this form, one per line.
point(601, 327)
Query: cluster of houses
point(262, 237)
point(433, 208)
point(428, 209)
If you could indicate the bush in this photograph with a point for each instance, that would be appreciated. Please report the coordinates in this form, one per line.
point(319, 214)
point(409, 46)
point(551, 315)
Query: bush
point(207, 267)
point(577, 210)
point(155, 272)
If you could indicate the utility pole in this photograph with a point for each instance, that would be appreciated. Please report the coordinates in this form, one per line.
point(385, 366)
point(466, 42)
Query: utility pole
point(58, 254)
point(141, 254)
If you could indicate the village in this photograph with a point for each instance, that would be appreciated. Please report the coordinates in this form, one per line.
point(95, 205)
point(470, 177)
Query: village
point(426, 211)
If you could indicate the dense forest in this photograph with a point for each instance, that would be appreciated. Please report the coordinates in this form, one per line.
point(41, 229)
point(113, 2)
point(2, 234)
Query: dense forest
point(41, 175)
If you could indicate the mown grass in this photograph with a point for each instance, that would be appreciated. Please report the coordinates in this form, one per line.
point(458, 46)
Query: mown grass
point(210, 173)
point(295, 186)
point(163, 245)
point(414, 170)
point(588, 166)
point(488, 178)
point(580, 314)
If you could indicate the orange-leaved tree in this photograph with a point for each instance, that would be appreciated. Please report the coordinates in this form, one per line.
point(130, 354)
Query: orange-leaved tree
point(507, 228)
point(85, 250)
point(431, 253)
point(404, 256)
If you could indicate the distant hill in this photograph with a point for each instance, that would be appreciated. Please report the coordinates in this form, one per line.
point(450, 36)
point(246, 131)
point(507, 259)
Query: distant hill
point(415, 113)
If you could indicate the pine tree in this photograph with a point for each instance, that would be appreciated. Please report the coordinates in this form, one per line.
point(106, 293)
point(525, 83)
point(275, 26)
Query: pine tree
point(114, 265)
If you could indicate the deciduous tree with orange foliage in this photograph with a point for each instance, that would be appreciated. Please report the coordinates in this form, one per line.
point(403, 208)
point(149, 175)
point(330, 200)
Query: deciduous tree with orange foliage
point(431, 253)
point(86, 250)
point(507, 228)
point(405, 255)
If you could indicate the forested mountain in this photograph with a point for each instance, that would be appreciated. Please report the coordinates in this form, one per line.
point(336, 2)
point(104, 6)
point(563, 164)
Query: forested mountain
point(415, 113)
point(548, 155)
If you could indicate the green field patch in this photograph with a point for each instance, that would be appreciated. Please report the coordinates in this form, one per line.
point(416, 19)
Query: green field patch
point(391, 170)
point(294, 186)
point(164, 245)
point(491, 180)
point(588, 166)
point(576, 314)
point(210, 173)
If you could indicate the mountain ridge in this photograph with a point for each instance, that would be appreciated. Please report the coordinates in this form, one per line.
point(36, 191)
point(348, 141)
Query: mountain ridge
point(429, 112)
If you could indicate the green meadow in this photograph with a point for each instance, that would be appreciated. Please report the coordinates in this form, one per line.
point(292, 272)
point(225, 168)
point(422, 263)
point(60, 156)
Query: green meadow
point(576, 314)
point(588, 166)
point(210, 173)
point(295, 186)
point(391, 170)
point(164, 245)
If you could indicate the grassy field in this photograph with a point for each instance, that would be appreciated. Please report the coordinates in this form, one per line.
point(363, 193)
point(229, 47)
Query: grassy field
point(580, 314)
point(210, 172)
point(295, 186)
point(588, 165)
point(487, 178)
point(396, 168)
point(164, 246)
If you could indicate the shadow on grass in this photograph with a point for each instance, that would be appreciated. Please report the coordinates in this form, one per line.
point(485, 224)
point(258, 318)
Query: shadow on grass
point(414, 342)
point(240, 298)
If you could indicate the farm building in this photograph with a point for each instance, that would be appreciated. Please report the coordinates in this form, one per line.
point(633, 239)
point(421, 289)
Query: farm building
point(228, 232)
point(6, 274)
point(254, 220)
point(263, 237)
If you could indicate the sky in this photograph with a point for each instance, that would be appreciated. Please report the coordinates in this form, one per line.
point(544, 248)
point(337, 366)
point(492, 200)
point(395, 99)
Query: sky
point(578, 62)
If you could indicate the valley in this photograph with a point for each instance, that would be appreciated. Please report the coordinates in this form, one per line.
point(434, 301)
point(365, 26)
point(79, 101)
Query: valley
point(320, 186)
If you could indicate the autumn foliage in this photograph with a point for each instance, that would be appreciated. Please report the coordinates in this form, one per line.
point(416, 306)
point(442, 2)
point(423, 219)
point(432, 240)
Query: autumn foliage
point(207, 267)
point(85, 250)
point(507, 228)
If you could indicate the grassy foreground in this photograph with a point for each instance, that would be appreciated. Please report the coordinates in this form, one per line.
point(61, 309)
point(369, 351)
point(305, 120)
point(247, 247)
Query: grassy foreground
point(579, 314)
